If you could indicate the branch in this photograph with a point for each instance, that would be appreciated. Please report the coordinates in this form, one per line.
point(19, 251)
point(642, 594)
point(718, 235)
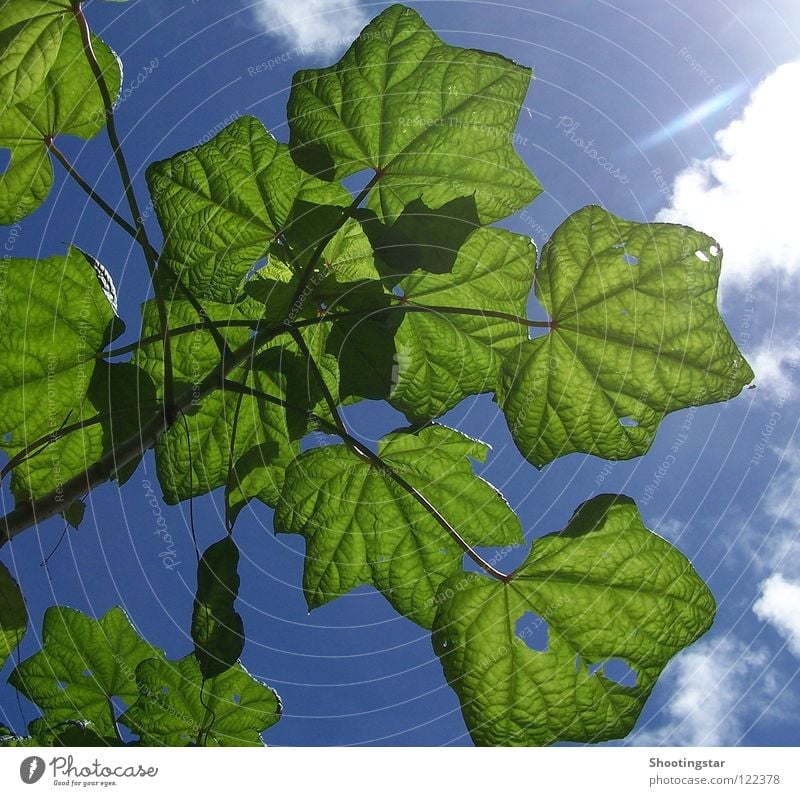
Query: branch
point(30, 512)
point(130, 195)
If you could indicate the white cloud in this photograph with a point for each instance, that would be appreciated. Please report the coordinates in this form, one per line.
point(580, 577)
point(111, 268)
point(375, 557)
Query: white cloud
point(746, 196)
point(719, 687)
point(323, 26)
point(779, 604)
point(775, 364)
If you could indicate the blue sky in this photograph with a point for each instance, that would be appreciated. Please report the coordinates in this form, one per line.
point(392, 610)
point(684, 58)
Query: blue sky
point(691, 109)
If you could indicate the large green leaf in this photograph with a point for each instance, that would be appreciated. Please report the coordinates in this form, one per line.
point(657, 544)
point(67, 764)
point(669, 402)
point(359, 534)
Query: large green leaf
point(442, 357)
point(434, 121)
point(83, 666)
point(222, 204)
point(58, 315)
point(636, 334)
point(13, 615)
point(217, 630)
point(361, 527)
point(67, 103)
point(30, 37)
point(197, 453)
point(608, 592)
point(176, 707)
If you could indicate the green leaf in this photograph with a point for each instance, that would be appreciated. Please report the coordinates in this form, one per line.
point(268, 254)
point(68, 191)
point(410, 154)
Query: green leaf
point(74, 514)
point(222, 204)
point(13, 615)
point(636, 335)
point(421, 237)
point(217, 630)
point(176, 707)
point(30, 37)
point(434, 121)
point(83, 665)
point(197, 453)
point(362, 527)
point(67, 103)
point(443, 357)
point(59, 314)
point(606, 589)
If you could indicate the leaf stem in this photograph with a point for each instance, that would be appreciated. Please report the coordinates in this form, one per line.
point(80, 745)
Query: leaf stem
point(363, 452)
point(130, 195)
point(87, 189)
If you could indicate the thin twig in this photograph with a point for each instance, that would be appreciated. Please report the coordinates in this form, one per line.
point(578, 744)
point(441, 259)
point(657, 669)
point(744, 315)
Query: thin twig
point(130, 195)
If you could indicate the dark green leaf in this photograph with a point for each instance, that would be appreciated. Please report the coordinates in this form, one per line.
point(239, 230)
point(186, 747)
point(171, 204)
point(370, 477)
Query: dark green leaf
point(217, 630)
point(13, 615)
point(636, 335)
point(176, 707)
point(83, 664)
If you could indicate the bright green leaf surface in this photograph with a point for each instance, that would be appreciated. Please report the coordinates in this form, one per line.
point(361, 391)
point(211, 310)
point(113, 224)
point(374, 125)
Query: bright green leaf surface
point(360, 526)
point(30, 37)
point(637, 335)
point(82, 665)
point(67, 103)
point(606, 589)
point(435, 121)
point(176, 708)
point(442, 357)
point(58, 313)
point(222, 204)
point(13, 615)
point(217, 630)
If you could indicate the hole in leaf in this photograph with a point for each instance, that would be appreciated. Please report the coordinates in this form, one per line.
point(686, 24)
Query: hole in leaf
point(62, 685)
point(714, 250)
point(184, 736)
point(398, 291)
point(702, 256)
point(7, 437)
point(578, 663)
point(256, 266)
point(236, 699)
point(164, 690)
point(86, 673)
point(617, 670)
point(532, 629)
point(630, 259)
point(629, 422)
point(593, 668)
point(442, 551)
point(5, 159)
